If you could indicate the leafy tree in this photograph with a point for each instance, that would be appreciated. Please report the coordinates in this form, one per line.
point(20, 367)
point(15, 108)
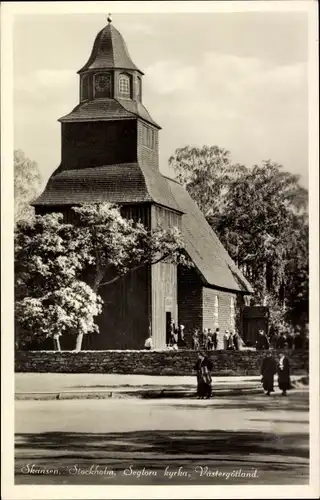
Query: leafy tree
point(260, 215)
point(61, 266)
point(27, 183)
point(71, 308)
point(206, 173)
point(262, 220)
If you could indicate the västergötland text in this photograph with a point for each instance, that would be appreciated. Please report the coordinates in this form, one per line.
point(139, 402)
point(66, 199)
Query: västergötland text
point(169, 472)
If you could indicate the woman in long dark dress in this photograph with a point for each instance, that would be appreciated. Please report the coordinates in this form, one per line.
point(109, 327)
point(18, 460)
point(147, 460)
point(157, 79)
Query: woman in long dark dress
point(268, 371)
point(283, 369)
point(203, 367)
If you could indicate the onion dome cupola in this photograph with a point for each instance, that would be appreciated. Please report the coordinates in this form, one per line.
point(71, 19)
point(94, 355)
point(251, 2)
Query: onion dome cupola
point(108, 74)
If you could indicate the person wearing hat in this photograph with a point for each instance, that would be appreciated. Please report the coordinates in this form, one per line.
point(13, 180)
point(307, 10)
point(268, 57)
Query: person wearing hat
point(203, 367)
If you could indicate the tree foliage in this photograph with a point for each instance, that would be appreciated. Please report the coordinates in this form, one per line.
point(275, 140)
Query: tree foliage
point(260, 215)
point(61, 266)
point(206, 173)
point(27, 183)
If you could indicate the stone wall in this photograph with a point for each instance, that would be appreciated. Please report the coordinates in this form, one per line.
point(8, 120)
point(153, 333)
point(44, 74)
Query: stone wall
point(150, 362)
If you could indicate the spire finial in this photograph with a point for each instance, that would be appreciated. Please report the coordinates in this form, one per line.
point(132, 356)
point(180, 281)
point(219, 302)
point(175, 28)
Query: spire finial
point(109, 18)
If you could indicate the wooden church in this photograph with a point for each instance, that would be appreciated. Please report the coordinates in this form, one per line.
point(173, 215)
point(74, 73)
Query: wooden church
point(110, 152)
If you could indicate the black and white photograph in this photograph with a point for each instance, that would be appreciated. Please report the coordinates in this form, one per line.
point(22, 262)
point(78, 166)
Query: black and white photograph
point(162, 309)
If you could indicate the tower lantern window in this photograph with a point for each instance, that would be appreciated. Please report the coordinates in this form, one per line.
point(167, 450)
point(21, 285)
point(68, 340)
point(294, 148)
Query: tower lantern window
point(124, 85)
point(139, 88)
point(84, 91)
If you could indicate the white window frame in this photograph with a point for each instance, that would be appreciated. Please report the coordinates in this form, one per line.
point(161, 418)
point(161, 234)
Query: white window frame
point(124, 85)
point(139, 89)
point(84, 82)
point(216, 310)
point(148, 137)
point(232, 312)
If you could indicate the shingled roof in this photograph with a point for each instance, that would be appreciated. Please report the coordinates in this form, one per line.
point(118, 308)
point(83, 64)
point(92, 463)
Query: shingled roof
point(204, 247)
point(105, 109)
point(109, 51)
point(122, 183)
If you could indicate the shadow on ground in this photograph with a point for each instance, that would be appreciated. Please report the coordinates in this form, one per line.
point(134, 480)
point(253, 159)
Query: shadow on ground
point(293, 402)
point(169, 442)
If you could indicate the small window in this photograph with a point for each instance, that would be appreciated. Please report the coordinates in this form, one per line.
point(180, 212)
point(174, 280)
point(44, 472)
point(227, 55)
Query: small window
point(139, 88)
point(148, 137)
point(124, 86)
point(216, 310)
point(232, 312)
point(84, 91)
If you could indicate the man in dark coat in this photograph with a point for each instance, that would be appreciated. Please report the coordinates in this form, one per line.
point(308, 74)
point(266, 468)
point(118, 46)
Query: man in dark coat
point(215, 338)
point(236, 341)
point(268, 371)
point(203, 367)
point(298, 341)
point(290, 339)
point(262, 341)
point(283, 369)
point(282, 340)
point(231, 346)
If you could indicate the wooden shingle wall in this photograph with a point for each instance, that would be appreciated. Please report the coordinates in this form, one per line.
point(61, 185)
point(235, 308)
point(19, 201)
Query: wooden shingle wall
point(217, 311)
point(164, 289)
point(92, 144)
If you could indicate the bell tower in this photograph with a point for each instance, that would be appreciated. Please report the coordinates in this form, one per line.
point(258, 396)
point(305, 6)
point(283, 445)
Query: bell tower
point(109, 71)
point(110, 153)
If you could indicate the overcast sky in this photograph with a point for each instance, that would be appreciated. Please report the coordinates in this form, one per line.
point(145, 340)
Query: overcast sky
point(236, 80)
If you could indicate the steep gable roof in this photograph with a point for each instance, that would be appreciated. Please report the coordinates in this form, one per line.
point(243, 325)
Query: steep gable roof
point(122, 183)
point(204, 247)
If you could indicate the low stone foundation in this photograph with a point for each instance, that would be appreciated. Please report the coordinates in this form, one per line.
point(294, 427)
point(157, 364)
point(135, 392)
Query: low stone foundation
point(225, 363)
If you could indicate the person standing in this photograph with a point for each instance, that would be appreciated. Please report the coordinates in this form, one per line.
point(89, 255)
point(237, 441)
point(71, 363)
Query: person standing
point(172, 328)
point(175, 335)
point(298, 341)
point(181, 339)
point(226, 340)
point(282, 339)
point(268, 371)
point(262, 342)
point(169, 332)
point(283, 369)
point(230, 342)
point(195, 340)
point(210, 342)
point(290, 340)
point(56, 341)
point(203, 367)
point(215, 338)
point(205, 338)
point(236, 341)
